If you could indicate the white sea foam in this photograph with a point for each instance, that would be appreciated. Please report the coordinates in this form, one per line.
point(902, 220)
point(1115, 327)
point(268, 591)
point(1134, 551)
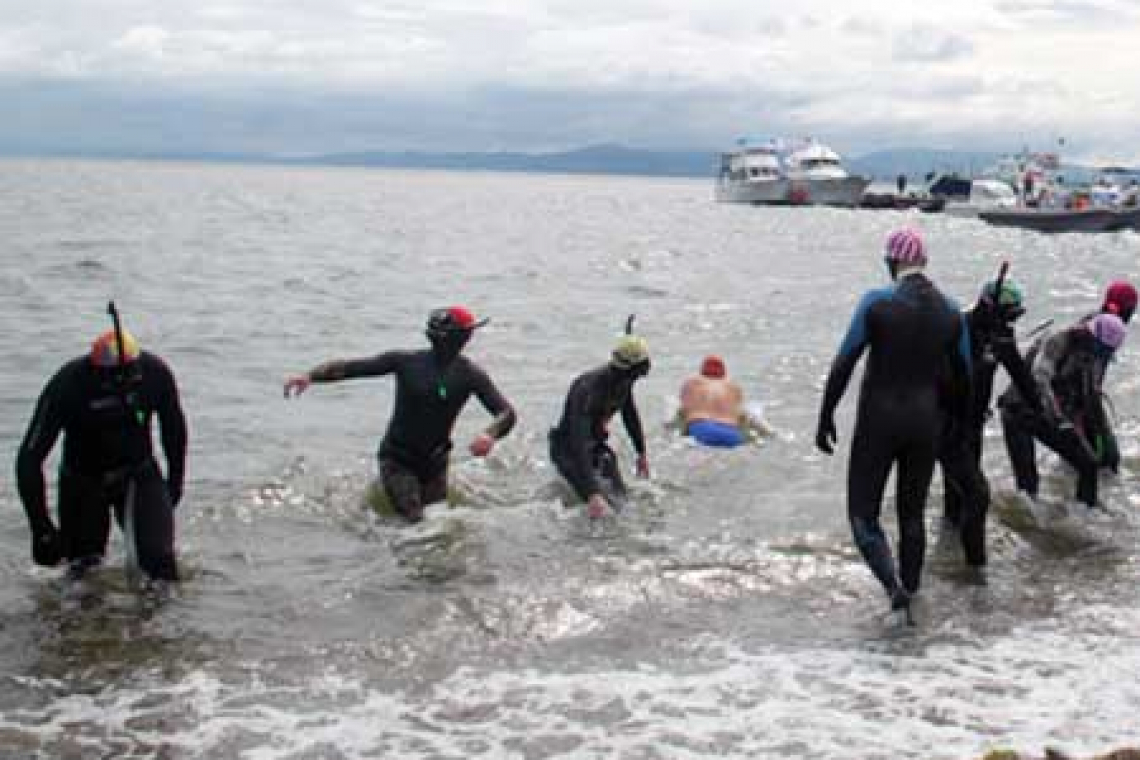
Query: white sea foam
point(945, 700)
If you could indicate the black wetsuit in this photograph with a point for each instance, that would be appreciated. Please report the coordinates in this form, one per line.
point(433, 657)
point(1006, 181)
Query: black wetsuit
point(430, 394)
point(578, 443)
point(107, 454)
point(966, 492)
point(1066, 371)
point(915, 335)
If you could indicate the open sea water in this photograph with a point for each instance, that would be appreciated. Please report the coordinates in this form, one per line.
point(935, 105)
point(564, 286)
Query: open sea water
point(726, 614)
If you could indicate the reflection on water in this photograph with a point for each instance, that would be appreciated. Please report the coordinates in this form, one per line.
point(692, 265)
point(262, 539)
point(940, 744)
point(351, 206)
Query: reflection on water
point(724, 613)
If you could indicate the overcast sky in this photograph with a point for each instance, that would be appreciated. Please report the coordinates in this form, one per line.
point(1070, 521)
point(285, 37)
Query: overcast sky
point(305, 76)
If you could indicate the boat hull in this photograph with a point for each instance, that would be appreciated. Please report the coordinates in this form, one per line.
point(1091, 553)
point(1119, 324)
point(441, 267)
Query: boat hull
point(1061, 220)
point(846, 191)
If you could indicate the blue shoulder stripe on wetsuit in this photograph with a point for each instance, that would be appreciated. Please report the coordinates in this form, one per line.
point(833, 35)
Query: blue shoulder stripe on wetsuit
point(964, 347)
point(856, 337)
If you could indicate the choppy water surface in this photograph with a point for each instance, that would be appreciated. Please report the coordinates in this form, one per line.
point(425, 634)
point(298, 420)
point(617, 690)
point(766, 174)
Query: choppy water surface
point(726, 615)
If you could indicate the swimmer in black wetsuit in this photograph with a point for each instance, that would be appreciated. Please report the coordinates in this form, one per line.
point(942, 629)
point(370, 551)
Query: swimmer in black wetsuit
point(432, 387)
point(1066, 367)
point(104, 411)
point(992, 343)
point(578, 443)
point(914, 334)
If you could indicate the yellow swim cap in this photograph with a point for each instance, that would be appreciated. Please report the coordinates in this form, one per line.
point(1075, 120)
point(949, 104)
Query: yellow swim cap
point(630, 351)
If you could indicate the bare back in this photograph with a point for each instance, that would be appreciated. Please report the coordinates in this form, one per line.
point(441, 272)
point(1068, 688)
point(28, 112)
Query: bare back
point(715, 399)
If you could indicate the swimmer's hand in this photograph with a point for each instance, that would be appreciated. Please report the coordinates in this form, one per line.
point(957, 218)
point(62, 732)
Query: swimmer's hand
point(482, 445)
point(597, 507)
point(296, 385)
point(643, 466)
point(825, 435)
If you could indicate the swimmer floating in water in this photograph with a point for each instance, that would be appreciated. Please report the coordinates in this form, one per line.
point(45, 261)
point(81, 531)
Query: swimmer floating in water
point(712, 406)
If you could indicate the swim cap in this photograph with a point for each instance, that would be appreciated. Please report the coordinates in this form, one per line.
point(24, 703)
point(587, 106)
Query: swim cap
point(1109, 330)
point(713, 366)
point(105, 349)
point(630, 351)
point(905, 247)
point(1120, 299)
point(1010, 292)
point(453, 319)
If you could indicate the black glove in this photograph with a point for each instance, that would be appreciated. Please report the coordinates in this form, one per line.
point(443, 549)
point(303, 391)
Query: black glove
point(825, 435)
point(47, 548)
point(174, 488)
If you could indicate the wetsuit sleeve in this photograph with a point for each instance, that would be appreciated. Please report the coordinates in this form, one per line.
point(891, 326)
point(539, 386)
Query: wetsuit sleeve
point(577, 428)
point(172, 422)
point(494, 402)
point(1044, 370)
point(43, 431)
point(345, 369)
point(852, 347)
point(1005, 351)
point(1097, 424)
point(961, 370)
point(632, 421)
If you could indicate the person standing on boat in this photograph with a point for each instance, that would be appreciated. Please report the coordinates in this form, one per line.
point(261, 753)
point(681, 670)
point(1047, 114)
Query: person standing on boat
point(990, 323)
point(1066, 371)
point(432, 387)
point(103, 404)
point(578, 443)
point(913, 335)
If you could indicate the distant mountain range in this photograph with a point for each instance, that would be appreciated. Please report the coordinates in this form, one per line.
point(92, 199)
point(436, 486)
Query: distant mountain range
point(884, 165)
point(595, 159)
point(916, 163)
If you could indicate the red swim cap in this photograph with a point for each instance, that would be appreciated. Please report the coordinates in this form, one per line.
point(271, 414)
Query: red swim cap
point(713, 366)
point(463, 317)
point(453, 319)
point(1120, 299)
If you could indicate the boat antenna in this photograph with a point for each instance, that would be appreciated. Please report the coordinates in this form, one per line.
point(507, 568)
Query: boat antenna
point(629, 324)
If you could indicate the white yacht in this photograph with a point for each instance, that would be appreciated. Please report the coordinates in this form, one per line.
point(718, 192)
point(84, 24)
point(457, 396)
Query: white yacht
point(806, 174)
point(752, 174)
point(817, 177)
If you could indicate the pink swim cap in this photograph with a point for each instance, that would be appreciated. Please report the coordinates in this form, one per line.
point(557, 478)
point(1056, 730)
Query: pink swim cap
point(905, 247)
point(1109, 330)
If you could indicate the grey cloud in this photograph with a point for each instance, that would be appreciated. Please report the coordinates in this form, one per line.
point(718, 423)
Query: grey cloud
point(1069, 13)
point(142, 118)
point(860, 26)
point(929, 44)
